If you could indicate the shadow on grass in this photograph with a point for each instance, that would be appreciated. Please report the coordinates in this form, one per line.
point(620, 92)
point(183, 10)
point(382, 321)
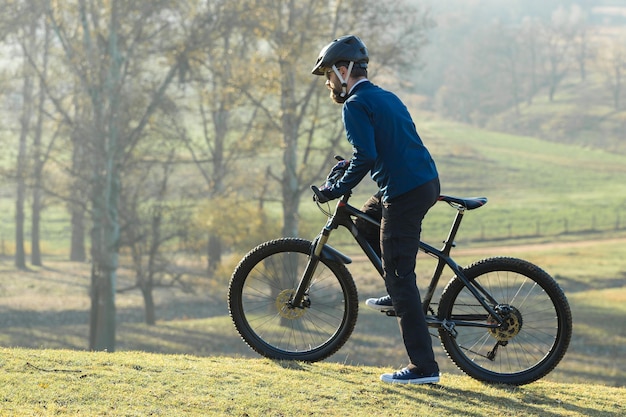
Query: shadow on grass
point(199, 324)
point(530, 401)
point(480, 400)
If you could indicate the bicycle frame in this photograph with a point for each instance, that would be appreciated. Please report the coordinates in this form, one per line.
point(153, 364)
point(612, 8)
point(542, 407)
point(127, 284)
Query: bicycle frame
point(499, 319)
point(343, 216)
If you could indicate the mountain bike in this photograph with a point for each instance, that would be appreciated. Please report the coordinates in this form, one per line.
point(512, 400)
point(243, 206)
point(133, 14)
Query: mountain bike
point(500, 319)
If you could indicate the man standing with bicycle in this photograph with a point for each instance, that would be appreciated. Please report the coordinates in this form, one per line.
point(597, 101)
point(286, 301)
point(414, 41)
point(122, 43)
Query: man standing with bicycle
point(385, 144)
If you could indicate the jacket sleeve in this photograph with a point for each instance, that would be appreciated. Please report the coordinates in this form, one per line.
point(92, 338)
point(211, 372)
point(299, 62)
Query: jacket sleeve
point(360, 134)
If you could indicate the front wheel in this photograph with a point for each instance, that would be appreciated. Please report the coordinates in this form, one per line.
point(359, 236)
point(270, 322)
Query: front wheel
point(258, 298)
point(534, 335)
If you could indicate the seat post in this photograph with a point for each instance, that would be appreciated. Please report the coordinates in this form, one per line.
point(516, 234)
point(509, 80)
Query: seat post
point(449, 242)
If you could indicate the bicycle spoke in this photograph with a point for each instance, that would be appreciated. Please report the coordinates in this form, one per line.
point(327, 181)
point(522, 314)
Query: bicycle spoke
point(528, 337)
point(271, 325)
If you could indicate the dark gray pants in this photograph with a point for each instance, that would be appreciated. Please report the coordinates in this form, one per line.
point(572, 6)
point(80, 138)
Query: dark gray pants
point(401, 226)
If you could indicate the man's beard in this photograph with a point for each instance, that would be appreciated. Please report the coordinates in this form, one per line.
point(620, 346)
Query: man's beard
point(336, 96)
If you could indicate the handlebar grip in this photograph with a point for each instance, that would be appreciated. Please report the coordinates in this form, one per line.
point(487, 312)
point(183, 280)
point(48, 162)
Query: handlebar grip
point(316, 191)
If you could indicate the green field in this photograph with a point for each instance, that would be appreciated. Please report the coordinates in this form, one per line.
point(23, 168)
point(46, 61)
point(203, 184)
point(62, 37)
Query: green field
point(536, 189)
point(556, 205)
point(48, 308)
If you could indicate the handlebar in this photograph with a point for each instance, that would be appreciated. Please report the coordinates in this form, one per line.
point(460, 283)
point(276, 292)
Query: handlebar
point(316, 190)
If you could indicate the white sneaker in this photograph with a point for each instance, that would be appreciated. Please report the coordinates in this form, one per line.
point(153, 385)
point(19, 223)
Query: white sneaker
point(408, 376)
point(381, 304)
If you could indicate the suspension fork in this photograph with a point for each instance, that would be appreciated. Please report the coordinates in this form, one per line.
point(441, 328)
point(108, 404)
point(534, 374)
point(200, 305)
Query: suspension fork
point(311, 266)
point(341, 216)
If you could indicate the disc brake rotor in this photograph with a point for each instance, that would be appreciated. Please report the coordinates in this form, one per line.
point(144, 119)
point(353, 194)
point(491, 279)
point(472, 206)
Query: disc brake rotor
point(509, 328)
point(285, 309)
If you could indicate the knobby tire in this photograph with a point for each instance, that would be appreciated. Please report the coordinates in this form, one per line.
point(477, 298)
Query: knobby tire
point(261, 286)
point(535, 335)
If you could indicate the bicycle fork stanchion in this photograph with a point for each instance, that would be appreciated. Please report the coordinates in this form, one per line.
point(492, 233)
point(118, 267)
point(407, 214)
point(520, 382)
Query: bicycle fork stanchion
point(316, 254)
point(311, 266)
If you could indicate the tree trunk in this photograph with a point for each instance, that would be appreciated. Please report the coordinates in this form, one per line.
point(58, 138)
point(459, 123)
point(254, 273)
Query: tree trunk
point(20, 253)
point(105, 199)
point(35, 255)
point(78, 196)
point(38, 161)
point(148, 302)
point(221, 125)
point(214, 253)
point(221, 119)
point(77, 250)
point(290, 183)
point(27, 89)
point(102, 318)
point(105, 240)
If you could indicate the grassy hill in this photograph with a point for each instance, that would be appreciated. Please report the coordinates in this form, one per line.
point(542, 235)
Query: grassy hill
point(62, 382)
point(536, 188)
point(581, 113)
point(49, 308)
point(558, 205)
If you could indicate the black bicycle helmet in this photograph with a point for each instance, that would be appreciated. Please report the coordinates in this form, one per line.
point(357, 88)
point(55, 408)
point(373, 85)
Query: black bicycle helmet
point(345, 49)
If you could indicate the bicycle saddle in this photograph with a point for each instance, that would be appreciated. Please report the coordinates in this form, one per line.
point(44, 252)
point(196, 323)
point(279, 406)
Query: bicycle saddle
point(467, 203)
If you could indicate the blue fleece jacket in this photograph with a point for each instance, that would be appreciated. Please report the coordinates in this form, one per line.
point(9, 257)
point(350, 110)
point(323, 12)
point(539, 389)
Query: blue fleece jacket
point(384, 142)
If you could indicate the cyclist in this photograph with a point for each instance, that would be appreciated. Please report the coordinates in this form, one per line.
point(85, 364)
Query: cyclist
point(386, 144)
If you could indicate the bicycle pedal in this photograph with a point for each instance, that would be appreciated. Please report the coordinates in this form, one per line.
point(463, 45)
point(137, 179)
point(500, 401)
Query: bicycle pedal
point(389, 313)
point(450, 327)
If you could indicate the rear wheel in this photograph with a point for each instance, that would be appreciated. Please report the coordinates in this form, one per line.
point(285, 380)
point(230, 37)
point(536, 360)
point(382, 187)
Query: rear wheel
point(534, 335)
point(259, 293)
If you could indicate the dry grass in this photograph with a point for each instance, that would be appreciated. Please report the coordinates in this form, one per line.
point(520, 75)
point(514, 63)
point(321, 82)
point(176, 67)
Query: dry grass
point(63, 382)
point(48, 308)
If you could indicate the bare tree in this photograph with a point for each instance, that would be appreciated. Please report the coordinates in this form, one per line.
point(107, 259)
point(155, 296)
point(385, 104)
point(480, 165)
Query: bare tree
point(612, 64)
point(151, 220)
point(492, 77)
point(531, 55)
point(27, 37)
point(558, 39)
point(291, 35)
point(582, 41)
point(78, 200)
point(228, 131)
point(111, 54)
point(26, 28)
point(39, 154)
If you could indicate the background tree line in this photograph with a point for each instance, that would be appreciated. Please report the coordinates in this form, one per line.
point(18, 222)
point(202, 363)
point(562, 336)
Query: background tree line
point(510, 65)
point(151, 122)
